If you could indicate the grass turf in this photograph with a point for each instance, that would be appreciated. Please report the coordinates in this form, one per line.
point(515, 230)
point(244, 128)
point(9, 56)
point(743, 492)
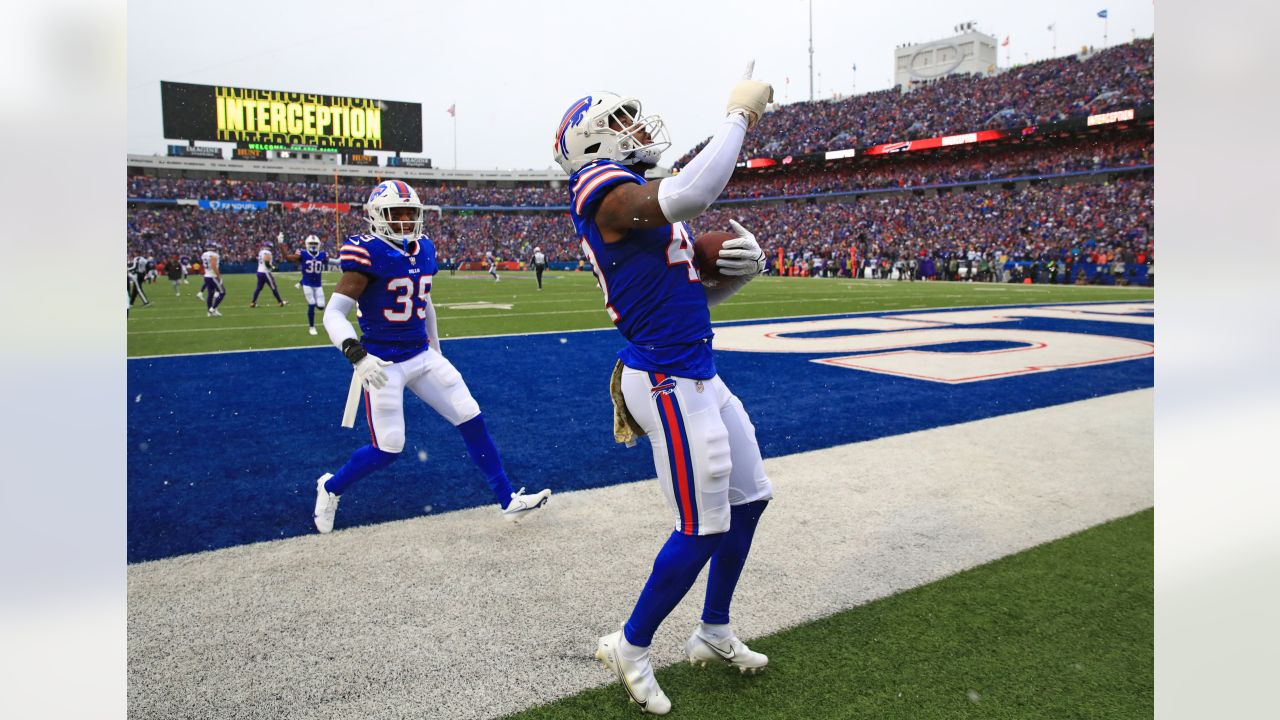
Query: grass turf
point(1063, 630)
point(471, 304)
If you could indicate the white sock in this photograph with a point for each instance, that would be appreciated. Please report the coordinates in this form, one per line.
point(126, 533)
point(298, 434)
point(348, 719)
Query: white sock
point(631, 653)
point(715, 632)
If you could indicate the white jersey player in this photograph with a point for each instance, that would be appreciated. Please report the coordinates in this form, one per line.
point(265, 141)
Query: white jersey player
point(265, 276)
point(213, 289)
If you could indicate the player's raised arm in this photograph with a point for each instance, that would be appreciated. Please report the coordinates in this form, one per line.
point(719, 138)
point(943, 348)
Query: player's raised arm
point(685, 196)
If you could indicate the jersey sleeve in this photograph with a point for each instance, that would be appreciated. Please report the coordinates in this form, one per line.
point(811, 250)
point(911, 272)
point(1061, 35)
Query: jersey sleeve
point(355, 258)
point(594, 183)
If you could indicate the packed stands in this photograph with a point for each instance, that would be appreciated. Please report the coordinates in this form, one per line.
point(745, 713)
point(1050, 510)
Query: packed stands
point(1051, 90)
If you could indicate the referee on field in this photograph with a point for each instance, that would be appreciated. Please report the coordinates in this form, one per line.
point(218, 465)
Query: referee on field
point(137, 271)
point(539, 264)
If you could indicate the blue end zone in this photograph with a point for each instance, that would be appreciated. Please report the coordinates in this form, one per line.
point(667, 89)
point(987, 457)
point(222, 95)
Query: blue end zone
point(225, 449)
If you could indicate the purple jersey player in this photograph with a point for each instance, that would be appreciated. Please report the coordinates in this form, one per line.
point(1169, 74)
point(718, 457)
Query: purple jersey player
point(388, 272)
point(213, 290)
point(708, 463)
point(311, 261)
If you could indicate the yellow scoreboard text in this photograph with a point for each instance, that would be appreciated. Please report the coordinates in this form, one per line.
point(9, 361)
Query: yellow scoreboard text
point(298, 118)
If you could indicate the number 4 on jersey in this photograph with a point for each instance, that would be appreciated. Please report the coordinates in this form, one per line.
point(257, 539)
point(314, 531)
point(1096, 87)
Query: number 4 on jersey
point(680, 251)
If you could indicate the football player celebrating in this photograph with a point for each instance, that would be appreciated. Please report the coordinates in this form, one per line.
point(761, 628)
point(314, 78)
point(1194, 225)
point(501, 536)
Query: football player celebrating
point(388, 273)
point(265, 276)
point(704, 447)
point(311, 260)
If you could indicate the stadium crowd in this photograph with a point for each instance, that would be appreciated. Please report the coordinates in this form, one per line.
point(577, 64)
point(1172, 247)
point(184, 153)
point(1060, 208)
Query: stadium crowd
point(942, 233)
point(962, 164)
point(141, 186)
point(938, 232)
point(931, 167)
point(1117, 78)
point(185, 230)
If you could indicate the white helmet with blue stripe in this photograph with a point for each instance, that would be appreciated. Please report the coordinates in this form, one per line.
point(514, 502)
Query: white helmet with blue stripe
point(388, 196)
point(607, 126)
point(312, 244)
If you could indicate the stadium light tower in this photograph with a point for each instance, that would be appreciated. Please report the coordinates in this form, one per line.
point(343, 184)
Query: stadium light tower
point(810, 50)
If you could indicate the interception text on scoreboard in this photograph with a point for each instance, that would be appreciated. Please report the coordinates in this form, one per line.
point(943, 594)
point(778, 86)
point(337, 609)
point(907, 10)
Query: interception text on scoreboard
point(246, 115)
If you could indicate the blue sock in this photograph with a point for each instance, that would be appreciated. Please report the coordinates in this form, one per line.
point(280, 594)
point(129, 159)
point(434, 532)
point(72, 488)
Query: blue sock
point(363, 462)
point(311, 315)
point(727, 562)
point(485, 455)
point(674, 570)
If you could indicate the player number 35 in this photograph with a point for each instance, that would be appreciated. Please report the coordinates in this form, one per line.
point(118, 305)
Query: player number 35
point(404, 286)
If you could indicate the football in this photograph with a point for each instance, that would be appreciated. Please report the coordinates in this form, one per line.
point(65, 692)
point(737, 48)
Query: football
point(706, 248)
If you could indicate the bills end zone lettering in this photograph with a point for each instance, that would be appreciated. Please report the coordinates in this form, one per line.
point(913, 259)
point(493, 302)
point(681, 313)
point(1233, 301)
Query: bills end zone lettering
point(960, 346)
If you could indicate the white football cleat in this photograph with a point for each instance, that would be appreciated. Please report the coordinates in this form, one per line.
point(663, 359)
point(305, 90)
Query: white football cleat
point(326, 505)
point(213, 312)
point(521, 504)
point(702, 650)
point(200, 295)
point(636, 676)
point(313, 331)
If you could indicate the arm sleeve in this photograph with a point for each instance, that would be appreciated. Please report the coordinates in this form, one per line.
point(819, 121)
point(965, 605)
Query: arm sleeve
point(335, 319)
point(433, 335)
point(685, 196)
point(723, 290)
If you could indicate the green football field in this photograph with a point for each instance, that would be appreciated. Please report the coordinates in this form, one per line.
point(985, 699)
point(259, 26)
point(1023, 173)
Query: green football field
point(470, 304)
point(1063, 630)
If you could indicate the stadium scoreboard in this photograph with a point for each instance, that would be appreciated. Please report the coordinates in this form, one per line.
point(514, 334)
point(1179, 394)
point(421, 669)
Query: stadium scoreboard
point(283, 120)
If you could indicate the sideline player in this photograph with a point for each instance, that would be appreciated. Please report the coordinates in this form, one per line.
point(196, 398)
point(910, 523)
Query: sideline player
point(704, 447)
point(265, 276)
point(389, 272)
point(493, 265)
point(173, 269)
point(539, 264)
point(311, 261)
point(136, 271)
point(213, 290)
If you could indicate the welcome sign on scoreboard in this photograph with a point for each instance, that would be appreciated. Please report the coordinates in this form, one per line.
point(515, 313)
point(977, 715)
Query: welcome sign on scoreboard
point(282, 120)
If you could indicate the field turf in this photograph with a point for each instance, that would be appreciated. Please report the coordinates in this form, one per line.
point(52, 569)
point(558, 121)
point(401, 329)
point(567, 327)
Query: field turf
point(1063, 630)
point(471, 304)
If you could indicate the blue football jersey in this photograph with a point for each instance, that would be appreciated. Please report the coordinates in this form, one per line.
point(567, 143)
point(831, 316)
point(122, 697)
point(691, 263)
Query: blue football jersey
point(312, 265)
point(393, 306)
point(652, 290)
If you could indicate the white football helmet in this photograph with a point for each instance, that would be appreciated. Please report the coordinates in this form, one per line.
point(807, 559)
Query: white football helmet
point(312, 244)
point(377, 212)
point(585, 135)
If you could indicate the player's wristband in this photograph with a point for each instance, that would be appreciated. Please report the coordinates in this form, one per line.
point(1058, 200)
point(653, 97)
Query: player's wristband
point(354, 351)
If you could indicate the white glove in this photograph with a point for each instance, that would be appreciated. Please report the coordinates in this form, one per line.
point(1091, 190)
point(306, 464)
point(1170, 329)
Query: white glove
point(750, 97)
point(741, 255)
point(372, 376)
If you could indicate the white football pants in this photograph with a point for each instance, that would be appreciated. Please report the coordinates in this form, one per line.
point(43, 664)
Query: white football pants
point(314, 295)
point(704, 447)
point(431, 377)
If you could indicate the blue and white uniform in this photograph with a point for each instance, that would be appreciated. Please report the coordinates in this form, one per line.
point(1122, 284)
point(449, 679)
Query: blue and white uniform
point(704, 445)
point(393, 312)
point(312, 266)
point(396, 317)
